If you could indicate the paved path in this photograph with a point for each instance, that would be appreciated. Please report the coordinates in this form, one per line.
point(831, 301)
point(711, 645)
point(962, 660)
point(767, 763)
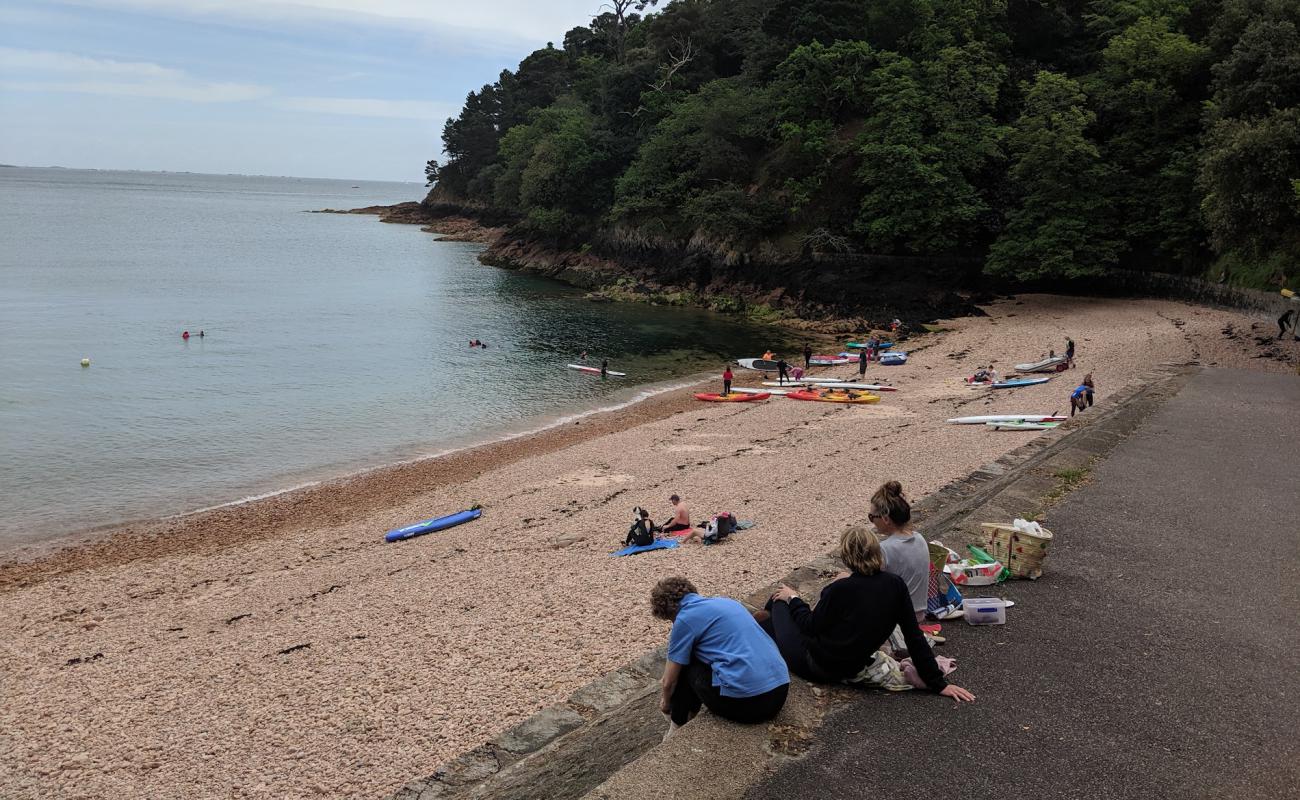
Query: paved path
point(1160, 655)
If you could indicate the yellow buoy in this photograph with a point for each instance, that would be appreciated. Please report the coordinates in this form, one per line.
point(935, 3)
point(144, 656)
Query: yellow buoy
point(85, 362)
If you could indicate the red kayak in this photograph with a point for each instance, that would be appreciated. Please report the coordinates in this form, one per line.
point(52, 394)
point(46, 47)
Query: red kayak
point(714, 397)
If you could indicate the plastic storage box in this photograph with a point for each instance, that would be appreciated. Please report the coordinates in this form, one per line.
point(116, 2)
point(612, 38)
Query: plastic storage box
point(985, 610)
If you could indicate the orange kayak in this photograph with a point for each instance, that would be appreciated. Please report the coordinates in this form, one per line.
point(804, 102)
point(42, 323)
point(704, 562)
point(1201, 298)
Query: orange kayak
point(713, 397)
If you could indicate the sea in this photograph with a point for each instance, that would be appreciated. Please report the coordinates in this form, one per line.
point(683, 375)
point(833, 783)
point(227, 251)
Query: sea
point(321, 345)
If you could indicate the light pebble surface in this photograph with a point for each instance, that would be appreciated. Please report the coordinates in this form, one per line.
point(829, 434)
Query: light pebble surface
point(422, 649)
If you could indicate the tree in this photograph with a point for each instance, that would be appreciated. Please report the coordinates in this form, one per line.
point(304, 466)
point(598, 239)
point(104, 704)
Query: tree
point(431, 172)
point(1060, 226)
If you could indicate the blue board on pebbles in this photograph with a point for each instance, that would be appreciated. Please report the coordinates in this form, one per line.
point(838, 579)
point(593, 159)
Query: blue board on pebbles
point(658, 544)
point(431, 525)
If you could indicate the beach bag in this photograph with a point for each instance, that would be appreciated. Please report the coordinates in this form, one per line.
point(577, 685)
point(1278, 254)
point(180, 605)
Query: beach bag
point(1021, 546)
point(719, 527)
point(882, 672)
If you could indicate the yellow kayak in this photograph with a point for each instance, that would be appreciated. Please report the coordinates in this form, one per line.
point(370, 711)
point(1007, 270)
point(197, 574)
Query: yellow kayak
point(834, 396)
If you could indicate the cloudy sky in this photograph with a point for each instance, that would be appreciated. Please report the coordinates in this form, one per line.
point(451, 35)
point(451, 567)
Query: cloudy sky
point(317, 88)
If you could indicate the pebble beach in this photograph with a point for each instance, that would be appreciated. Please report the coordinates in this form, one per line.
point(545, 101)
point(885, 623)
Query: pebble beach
point(281, 649)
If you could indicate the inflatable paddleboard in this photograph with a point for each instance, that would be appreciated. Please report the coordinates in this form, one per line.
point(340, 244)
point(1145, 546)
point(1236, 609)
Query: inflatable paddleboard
point(1006, 418)
point(431, 525)
point(734, 397)
point(1011, 384)
point(831, 361)
point(893, 359)
point(1046, 365)
point(596, 371)
point(1022, 426)
point(759, 364)
point(752, 390)
point(819, 381)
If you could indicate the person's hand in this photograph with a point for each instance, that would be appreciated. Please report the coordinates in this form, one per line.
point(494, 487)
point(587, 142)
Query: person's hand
point(785, 593)
point(664, 705)
point(844, 573)
point(957, 693)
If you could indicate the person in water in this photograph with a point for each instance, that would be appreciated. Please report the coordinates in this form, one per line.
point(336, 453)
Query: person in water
point(201, 334)
point(855, 615)
point(718, 657)
point(807, 355)
point(604, 368)
point(783, 371)
point(726, 380)
point(681, 518)
point(1081, 397)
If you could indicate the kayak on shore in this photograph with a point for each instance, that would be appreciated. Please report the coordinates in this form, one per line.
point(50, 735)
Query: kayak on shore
point(734, 397)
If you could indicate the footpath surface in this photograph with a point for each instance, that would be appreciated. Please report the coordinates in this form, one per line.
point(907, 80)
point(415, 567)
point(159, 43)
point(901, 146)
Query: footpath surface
point(1159, 657)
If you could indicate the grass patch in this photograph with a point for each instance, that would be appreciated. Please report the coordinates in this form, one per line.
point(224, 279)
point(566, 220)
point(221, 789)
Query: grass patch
point(1067, 480)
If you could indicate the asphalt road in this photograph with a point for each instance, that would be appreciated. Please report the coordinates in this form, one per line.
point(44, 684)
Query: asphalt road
point(1159, 657)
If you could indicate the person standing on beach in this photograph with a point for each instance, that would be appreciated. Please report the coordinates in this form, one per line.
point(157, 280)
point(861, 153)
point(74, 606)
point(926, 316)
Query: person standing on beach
point(726, 380)
point(862, 363)
point(783, 372)
point(1069, 353)
point(807, 355)
point(604, 368)
point(718, 657)
point(681, 519)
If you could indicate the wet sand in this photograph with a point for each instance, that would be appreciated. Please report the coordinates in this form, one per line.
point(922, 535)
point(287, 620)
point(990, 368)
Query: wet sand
point(281, 649)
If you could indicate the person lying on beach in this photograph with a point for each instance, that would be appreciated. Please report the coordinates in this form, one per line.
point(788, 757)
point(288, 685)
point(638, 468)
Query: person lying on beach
point(718, 657)
point(853, 618)
point(681, 519)
point(905, 551)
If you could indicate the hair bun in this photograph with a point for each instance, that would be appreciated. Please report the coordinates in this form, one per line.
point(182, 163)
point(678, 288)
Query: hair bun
point(894, 488)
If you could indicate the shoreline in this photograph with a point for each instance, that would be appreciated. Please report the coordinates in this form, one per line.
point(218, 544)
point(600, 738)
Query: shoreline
point(281, 649)
point(275, 511)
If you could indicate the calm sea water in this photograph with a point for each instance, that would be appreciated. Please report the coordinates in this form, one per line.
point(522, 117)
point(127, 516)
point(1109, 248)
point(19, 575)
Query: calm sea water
point(333, 343)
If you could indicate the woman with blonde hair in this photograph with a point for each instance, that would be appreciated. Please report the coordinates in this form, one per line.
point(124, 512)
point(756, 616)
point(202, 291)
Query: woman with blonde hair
point(854, 617)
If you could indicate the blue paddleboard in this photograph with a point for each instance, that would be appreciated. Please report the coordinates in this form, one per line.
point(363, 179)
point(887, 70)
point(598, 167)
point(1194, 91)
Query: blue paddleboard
point(431, 525)
point(1017, 383)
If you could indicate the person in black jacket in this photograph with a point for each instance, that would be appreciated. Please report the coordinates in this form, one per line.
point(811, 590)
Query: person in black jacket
point(854, 617)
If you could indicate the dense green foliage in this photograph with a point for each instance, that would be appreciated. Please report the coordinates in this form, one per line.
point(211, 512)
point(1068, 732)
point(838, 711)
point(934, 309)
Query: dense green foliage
point(1053, 139)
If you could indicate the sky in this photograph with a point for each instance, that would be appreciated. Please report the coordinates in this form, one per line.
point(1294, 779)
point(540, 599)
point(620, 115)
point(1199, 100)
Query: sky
point(355, 89)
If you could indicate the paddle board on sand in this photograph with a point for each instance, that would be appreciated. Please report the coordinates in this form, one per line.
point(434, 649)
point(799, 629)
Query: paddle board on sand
point(752, 390)
point(1022, 426)
point(1012, 384)
point(596, 371)
point(865, 345)
point(1006, 418)
point(1046, 365)
point(871, 387)
point(431, 525)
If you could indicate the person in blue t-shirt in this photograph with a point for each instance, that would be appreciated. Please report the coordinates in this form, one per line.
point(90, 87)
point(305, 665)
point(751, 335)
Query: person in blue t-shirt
point(1081, 397)
point(718, 656)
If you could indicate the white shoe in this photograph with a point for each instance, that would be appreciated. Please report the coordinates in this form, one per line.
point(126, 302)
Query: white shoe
point(672, 728)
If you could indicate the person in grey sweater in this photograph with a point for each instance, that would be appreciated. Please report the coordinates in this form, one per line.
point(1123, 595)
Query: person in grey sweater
point(906, 553)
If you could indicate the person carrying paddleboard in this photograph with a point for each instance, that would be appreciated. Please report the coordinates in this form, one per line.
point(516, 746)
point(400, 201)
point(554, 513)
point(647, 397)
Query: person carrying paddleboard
point(726, 380)
point(769, 355)
point(783, 370)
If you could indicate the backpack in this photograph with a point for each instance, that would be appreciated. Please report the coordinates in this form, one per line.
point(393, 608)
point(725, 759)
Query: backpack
point(720, 527)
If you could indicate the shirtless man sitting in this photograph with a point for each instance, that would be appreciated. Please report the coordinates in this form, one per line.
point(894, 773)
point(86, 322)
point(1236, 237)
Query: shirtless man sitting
point(681, 520)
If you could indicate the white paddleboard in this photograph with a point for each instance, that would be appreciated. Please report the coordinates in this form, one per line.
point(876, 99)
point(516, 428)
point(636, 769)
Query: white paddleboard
point(807, 382)
point(753, 390)
point(596, 371)
point(1008, 425)
point(1006, 418)
point(1041, 366)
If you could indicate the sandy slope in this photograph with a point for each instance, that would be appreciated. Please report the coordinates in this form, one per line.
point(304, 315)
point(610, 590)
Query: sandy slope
point(310, 659)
